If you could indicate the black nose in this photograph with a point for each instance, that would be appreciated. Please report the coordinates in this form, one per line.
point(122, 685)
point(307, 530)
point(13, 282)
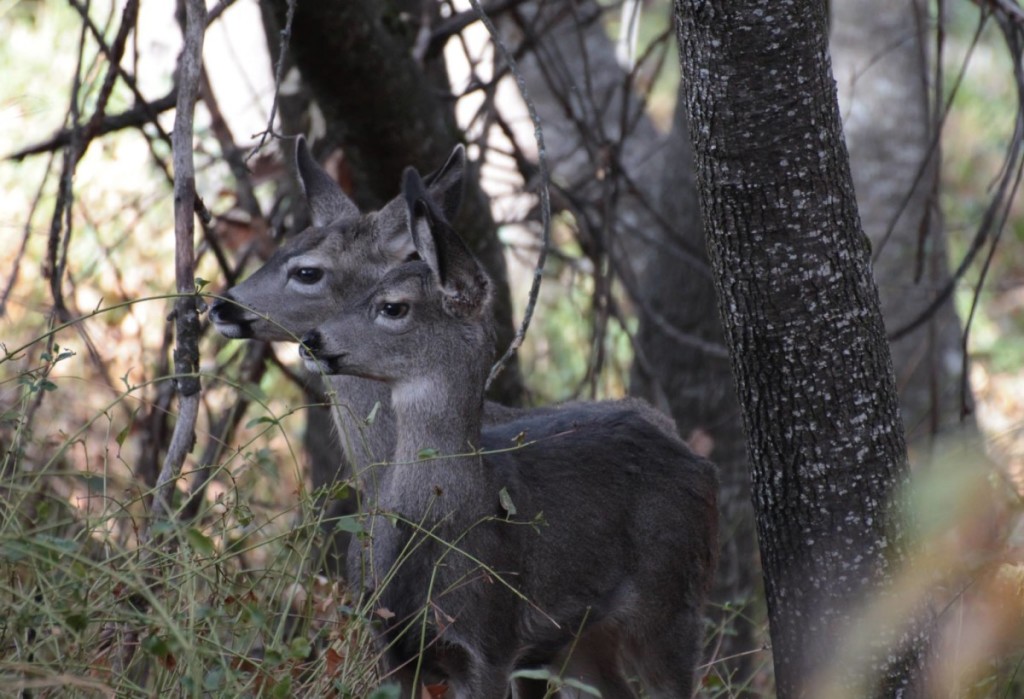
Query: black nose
point(216, 308)
point(312, 341)
point(224, 309)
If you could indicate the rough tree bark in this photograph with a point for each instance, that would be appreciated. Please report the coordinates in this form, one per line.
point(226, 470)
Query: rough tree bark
point(802, 321)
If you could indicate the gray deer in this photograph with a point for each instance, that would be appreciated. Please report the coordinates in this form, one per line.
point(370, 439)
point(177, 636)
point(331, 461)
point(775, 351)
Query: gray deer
point(495, 547)
point(316, 271)
point(307, 278)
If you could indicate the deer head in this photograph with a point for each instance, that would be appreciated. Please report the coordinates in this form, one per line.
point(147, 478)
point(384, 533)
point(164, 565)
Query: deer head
point(315, 270)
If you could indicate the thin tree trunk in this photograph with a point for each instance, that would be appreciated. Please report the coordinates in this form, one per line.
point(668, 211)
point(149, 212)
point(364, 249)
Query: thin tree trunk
point(186, 312)
point(805, 334)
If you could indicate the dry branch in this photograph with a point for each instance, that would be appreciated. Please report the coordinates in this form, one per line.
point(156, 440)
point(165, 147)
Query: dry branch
point(186, 312)
point(545, 198)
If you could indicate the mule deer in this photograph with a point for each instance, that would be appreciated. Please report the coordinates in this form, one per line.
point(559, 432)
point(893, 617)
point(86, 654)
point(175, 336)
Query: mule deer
point(306, 279)
point(497, 551)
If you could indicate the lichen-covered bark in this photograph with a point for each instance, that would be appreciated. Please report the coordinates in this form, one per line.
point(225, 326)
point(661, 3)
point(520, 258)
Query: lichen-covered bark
point(805, 334)
point(879, 53)
point(383, 110)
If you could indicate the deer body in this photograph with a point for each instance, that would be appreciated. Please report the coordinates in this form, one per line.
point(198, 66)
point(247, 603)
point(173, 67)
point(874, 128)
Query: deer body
point(601, 524)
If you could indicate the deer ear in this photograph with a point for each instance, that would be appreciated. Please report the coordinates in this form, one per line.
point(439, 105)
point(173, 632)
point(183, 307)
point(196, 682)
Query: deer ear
point(445, 189)
point(445, 185)
point(461, 279)
point(327, 203)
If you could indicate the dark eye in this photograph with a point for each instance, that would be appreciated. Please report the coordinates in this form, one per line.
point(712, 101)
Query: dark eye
point(394, 310)
point(307, 275)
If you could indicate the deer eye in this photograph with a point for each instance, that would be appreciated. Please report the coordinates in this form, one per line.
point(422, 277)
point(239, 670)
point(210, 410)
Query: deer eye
point(394, 310)
point(307, 275)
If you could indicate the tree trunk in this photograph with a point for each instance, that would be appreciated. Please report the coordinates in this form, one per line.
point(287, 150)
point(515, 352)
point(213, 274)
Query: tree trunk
point(880, 57)
point(805, 334)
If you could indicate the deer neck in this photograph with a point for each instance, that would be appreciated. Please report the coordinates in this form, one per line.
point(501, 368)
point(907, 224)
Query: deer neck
point(438, 428)
point(353, 400)
point(441, 416)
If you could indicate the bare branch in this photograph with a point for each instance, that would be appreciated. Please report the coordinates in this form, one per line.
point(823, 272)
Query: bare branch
point(135, 117)
point(545, 199)
point(286, 37)
point(186, 354)
point(456, 23)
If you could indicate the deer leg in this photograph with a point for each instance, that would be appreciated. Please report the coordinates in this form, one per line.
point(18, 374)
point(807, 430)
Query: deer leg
point(597, 661)
point(533, 689)
point(483, 681)
point(666, 662)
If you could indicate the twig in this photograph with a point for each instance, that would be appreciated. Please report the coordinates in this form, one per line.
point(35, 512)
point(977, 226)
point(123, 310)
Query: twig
point(114, 54)
point(545, 199)
point(53, 268)
point(254, 363)
point(286, 36)
point(131, 118)
point(456, 23)
point(16, 267)
point(186, 354)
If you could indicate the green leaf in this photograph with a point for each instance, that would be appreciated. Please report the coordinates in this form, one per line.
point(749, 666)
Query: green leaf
point(162, 528)
point(349, 523)
point(123, 435)
point(372, 417)
point(506, 502)
point(47, 385)
point(582, 686)
point(12, 552)
point(253, 390)
point(299, 648)
point(255, 615)
point(282, 689)
point(428, 453)
point(387, 691)
point(155, 645)
point(339, 491)
point(214, 679)
point(537, 674)
point(56, 544)
point(259, 421)
point(77, 621)
point(200, 283)
point(200, 542)
point(93, 481)
point(272, 656)
point(243, 514)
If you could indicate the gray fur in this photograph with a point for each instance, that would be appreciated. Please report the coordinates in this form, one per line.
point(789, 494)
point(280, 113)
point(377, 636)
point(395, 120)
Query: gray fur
point(614, 529)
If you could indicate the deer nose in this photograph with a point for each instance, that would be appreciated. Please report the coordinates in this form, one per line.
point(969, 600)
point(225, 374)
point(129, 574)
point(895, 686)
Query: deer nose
point(225, 309)
point(312, 342)
point(217, 309)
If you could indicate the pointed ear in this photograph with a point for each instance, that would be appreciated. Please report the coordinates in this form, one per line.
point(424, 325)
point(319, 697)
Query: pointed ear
point(461, 279)
point(327, 203)
point(445, 185)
